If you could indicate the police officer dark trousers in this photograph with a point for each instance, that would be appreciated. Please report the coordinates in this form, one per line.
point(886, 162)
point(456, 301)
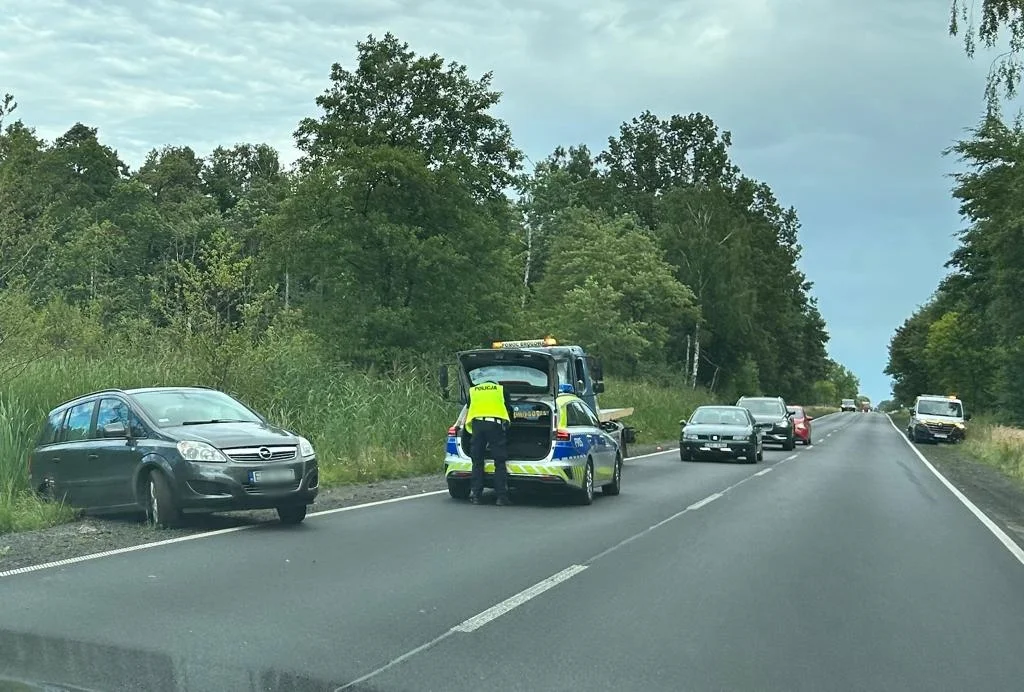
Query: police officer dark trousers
point(487, 420)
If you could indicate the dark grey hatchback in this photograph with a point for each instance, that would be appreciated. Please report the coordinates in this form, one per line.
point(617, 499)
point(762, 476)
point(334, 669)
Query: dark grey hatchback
point(171, 451)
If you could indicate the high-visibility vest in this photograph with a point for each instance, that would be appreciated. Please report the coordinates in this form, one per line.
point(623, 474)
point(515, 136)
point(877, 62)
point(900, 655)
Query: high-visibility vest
point(486, 400)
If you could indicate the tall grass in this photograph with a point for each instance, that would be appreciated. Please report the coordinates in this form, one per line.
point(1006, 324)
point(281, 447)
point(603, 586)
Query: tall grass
point(1000, 446)
point(365, 426)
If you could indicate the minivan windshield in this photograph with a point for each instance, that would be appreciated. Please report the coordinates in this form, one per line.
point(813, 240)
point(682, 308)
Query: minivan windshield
point(933, 407)
point(174, 407)
point(764, 407)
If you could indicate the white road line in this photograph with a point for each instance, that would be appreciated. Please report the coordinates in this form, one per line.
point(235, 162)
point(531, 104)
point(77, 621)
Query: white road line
point(375, 504)
point(489, 615)
point(1008, 542)
point(653, 454)
point(493, 613)
point(706, 501)
point(394, 662)
point(197, 536)
point(235, 529)
point(477, 621)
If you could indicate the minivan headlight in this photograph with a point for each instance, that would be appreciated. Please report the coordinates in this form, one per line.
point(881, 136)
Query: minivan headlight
point(191, 450)
point(306, 447)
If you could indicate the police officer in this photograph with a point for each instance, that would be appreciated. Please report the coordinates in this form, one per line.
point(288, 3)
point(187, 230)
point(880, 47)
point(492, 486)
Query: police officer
point(488, 421)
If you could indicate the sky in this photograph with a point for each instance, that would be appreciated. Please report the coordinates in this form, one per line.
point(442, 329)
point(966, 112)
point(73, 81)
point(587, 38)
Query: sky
point(843, 108)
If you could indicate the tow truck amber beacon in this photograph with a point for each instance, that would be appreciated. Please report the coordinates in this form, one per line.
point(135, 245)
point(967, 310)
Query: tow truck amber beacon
point(560, 438)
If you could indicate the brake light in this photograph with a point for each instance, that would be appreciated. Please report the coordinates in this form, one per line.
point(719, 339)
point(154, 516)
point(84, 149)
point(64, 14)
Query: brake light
point(562, 435)
point(454, 430)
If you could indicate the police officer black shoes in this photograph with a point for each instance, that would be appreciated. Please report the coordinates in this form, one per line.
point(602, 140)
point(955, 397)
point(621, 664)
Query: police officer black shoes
point(503, 502)
point(475, 500)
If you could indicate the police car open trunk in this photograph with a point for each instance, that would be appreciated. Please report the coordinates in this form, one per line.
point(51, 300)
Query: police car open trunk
point(531, 380)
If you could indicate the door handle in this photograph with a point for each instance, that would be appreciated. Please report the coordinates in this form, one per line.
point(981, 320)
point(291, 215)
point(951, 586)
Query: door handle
point(94, 456)
point(55, 460)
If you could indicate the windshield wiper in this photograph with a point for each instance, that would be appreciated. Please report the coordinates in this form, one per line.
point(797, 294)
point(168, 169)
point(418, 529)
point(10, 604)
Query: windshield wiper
point(215, 420)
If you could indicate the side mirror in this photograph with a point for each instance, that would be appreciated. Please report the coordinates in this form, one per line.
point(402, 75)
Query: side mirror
point(599, 388)
point(442, 380)
point(115, 429)
point(628, 435)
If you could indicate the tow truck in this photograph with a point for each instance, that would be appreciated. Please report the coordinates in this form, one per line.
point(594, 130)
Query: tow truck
point(559, 437)
point(583, 372)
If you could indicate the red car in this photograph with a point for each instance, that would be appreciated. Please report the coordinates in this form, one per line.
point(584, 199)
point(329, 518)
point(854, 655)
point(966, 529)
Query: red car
point(801, 424)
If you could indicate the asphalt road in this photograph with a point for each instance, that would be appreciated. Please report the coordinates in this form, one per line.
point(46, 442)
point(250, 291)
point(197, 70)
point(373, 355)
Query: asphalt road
point(847, 566)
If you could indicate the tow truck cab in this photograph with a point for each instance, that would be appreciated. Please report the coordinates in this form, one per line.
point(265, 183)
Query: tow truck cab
point(574, 367)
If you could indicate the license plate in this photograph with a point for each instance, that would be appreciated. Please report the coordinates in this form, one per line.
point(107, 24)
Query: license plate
point(940, 436)
point(272, 476)
point(717, 445)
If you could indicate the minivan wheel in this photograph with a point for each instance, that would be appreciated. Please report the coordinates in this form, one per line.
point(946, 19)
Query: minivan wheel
point(291, 514)
point(161, 508)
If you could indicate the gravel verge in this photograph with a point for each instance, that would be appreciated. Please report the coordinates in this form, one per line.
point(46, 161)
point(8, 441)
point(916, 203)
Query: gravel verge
point(89, 535)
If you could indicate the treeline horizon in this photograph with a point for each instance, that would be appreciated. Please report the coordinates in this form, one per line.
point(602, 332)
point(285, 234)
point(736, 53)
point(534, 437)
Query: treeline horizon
point(968, 338)
point(392, 243)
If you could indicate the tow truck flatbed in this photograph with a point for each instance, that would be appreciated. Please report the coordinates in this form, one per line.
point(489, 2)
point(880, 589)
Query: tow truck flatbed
point(608, 414)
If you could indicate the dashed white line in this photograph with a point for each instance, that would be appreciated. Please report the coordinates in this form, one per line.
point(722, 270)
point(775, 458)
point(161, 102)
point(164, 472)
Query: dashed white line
point(1008, 542)
point(494, 612)
point(763, 472)
point(706, 501)
point(197, 536)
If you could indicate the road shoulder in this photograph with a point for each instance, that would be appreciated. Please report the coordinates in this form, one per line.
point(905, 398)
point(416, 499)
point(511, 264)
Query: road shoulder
point(997, 495)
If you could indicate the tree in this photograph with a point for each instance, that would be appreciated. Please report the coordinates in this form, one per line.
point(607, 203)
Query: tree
point(399, 100)
point(996, 16)
point(625, 312)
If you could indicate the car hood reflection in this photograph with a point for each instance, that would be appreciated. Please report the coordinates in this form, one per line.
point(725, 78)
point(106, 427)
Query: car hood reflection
point(31, 663)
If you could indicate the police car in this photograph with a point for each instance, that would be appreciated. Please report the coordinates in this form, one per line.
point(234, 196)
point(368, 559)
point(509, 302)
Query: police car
point(555, 440)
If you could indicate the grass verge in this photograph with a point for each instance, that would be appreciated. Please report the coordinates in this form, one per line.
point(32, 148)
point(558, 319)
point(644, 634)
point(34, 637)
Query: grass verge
point(365, 426)
point(999, 446)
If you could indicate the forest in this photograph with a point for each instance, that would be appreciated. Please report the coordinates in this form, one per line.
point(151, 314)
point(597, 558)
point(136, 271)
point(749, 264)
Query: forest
point(326, 292)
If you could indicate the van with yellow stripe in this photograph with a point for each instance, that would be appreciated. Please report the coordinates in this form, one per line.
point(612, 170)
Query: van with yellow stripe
point(555, 440)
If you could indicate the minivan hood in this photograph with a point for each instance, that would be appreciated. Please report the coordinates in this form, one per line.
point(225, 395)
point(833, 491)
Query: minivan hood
point(225, 435)
point(940, 419)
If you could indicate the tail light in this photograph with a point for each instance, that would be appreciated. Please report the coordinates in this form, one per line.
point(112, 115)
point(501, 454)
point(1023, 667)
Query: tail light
point(562, 436)
point(454, 430)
